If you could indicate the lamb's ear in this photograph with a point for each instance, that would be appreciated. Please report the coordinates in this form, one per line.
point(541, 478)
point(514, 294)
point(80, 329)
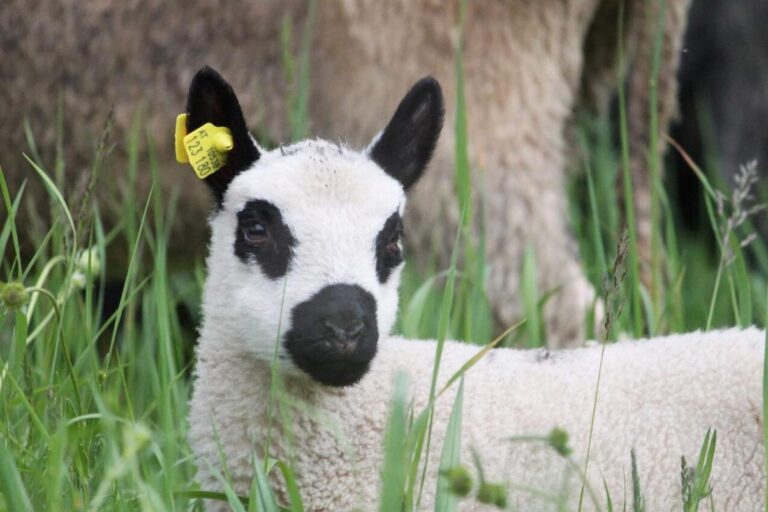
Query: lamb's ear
point(212, 100)
point(406, 145)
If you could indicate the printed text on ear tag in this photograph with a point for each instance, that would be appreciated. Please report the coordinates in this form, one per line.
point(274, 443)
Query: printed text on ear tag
point(205, 148)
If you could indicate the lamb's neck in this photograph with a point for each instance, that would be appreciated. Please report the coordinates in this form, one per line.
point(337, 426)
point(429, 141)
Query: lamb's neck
point(233, 365)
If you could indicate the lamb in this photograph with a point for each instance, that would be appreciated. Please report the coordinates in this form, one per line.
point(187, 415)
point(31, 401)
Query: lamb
point(530, 67)
point(304, 261)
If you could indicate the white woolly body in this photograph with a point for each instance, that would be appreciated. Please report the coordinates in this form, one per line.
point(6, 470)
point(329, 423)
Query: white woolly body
point(657, 397)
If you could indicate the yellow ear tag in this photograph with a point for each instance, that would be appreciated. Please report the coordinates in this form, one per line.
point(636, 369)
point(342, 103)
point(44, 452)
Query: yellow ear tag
point(205, 148)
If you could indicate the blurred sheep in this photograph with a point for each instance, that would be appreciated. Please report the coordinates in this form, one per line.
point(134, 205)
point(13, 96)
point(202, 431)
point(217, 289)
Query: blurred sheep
point(528, 67)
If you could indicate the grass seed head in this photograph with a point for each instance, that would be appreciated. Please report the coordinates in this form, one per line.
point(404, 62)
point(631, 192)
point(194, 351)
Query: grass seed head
point(13, 295)
point(89, 263)
point(459, 480)
point(558, 440)
point(492, 494)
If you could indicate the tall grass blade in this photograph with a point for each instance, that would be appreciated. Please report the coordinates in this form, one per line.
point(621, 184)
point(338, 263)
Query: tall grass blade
point(654, 165)
point(638, 502)
point(261, 493)
point(463, 179)
point(629, 206)
point(394, 471)
point(297, 505)
point(445, 501)
point(608, 500)
point(9, 226)
point(530, 296)
point(56, 193)
point(13, 490)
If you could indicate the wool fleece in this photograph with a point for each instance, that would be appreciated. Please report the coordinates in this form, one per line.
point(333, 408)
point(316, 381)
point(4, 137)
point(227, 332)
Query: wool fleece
point(657, 397)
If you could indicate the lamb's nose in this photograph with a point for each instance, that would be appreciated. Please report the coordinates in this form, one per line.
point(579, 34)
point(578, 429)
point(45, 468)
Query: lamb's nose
point(346, 333)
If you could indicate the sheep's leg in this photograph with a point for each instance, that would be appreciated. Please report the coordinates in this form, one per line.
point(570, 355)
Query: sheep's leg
point(531, 213)
point(650, 20)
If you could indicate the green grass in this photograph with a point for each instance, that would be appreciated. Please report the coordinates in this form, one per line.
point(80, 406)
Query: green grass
point(93, 410)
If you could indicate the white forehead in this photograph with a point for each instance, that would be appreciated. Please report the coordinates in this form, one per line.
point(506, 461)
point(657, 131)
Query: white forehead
point(318, 177)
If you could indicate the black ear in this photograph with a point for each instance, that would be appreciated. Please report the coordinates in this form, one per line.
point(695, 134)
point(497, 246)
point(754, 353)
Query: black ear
point(406, 145)
point(212, 100)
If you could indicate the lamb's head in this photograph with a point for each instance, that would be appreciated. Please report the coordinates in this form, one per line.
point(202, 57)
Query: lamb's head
point(306, 240)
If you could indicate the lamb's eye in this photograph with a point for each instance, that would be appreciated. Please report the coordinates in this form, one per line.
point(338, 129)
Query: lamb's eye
point(254, 232)
point(394, 247)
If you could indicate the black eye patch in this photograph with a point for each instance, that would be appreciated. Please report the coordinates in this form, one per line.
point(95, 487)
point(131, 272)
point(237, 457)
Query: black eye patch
point(262, 237)
point(388, 247)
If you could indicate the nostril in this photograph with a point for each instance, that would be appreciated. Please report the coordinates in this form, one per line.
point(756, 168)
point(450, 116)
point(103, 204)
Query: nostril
point(348, 332)
point(354, 329)
point(333, 329)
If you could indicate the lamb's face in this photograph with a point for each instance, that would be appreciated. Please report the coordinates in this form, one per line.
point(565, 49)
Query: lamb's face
point(307, 249)
point(306, 246)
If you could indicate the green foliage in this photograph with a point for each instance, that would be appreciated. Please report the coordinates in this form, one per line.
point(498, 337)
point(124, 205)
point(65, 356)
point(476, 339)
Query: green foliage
point(695, 481)
point(638, 501)
point(531, 304)
point(455, 480)
point(298, 79)
point(395, 456)
point(13, 492)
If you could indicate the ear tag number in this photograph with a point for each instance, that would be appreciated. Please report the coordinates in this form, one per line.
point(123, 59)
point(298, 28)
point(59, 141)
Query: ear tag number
point(205, 148)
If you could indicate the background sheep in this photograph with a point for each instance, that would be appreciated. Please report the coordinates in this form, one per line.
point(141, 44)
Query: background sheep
point(723, 94)
point(287, 220)
point(529, 67)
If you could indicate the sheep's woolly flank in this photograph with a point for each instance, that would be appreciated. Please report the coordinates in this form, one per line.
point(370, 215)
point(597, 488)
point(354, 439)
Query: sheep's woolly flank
point(657, 397)
point(528, 64)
